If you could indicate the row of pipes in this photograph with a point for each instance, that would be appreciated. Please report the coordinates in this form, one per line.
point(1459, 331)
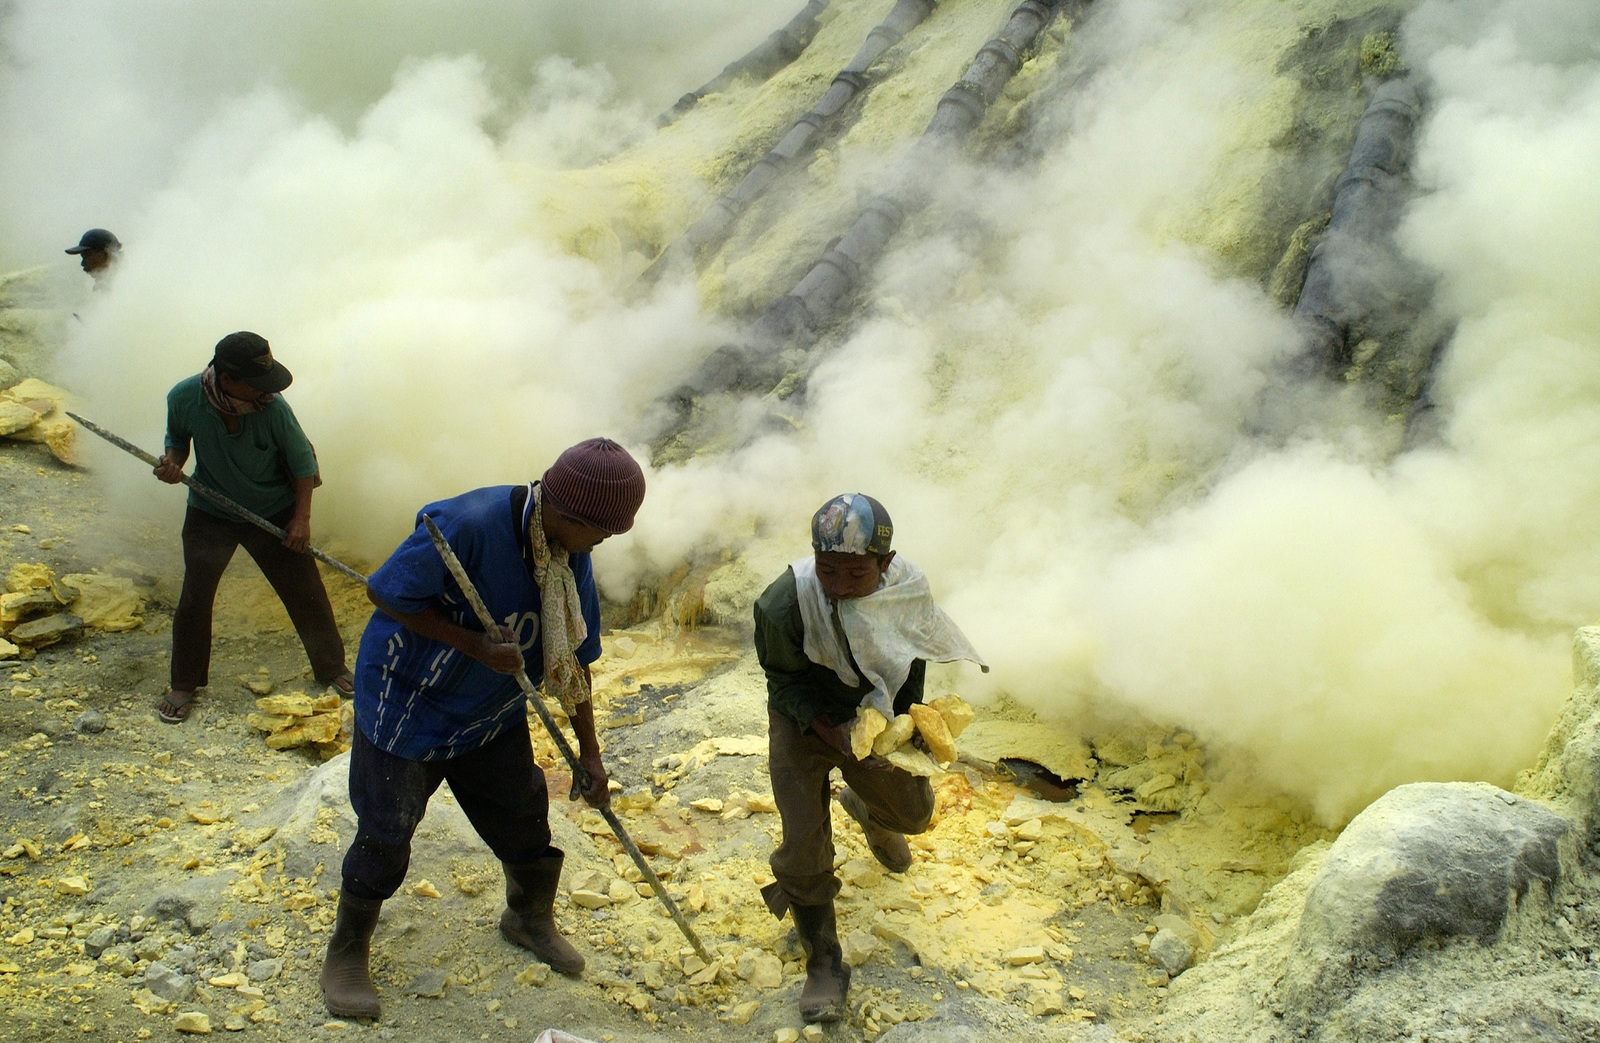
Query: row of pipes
point(768, 362)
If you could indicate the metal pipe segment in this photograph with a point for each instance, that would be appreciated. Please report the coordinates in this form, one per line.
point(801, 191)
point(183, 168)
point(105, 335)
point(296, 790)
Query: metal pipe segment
point(772, 54)
point(801, 138)
point(1345, 275)
point(779, 340)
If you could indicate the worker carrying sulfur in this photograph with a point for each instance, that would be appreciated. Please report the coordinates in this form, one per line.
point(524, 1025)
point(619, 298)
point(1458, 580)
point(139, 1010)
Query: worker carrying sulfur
point(437, 697)
point(249, 447)
point(851, 627)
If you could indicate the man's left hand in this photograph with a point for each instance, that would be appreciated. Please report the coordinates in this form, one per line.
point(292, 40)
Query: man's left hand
point(599, 792)
point(297, 534)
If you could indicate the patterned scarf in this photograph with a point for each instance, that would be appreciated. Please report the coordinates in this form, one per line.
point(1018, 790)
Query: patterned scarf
point(225, 403)
point(560, 616)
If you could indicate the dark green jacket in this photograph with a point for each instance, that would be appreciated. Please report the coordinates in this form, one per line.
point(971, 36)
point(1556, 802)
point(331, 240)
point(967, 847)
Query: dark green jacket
point(797, 687)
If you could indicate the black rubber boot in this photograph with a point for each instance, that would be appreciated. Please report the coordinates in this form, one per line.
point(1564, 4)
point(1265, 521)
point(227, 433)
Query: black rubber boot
point(827, 976)
point(530, 919)
point(346, 983)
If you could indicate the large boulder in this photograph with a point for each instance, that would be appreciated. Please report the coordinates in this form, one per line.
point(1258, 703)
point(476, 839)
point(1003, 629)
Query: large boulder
point(1424, 863)
point(1431, 860)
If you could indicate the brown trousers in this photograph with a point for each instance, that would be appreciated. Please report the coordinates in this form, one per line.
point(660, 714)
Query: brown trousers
point(800, 762)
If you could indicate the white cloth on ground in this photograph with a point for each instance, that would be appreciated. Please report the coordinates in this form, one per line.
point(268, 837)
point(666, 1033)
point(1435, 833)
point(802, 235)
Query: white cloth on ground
point(886, 630)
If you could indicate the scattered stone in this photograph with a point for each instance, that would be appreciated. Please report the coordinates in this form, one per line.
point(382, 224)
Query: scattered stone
point(858, 946)
point(707, 804)
point(265, 970)
point(621, 892)
point(1025, 955)
point(50, 630)
point(590, 899)
point(742, 1013)
point(1043, 1002)
point(812, 1033)
point(1171, 951)
point(8, 650)
point(425, 889)
point(789, 1035)
point(534, 974)
point(99, 940)
point(72, 885)
point(231, 980)
point(193, 1022)
point(860, 873)
point(90, 722)
point(761, 969)
point(236, 1023)
point(167, 983)
point(429, 984)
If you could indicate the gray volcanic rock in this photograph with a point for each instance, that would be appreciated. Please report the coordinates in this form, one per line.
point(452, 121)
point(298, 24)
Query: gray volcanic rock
point(1429, 861)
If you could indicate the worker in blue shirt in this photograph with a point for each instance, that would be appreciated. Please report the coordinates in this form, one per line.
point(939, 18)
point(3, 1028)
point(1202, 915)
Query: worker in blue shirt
point(436, 697)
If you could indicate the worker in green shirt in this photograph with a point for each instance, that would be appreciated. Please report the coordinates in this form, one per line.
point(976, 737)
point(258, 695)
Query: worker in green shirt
point(249, 447)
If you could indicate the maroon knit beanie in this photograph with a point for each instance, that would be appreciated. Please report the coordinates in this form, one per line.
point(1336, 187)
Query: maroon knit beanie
point(597, 483)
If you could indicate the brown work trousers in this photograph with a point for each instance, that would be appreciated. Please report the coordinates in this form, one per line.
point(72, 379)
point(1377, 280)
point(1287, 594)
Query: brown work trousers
point(208, 546)
point(800, 762)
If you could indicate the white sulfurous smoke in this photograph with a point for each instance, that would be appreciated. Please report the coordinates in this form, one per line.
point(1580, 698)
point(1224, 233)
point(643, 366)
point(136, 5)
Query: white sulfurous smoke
point(1051, 386)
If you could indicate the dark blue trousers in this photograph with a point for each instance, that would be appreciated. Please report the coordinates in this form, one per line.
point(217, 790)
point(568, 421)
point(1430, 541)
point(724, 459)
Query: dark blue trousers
point(499, 787)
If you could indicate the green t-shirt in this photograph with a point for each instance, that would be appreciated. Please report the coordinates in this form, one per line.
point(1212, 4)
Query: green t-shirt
point(256, 468)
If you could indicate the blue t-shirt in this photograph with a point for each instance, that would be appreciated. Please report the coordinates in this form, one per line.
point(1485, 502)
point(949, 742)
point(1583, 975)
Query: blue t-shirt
point(421, 699)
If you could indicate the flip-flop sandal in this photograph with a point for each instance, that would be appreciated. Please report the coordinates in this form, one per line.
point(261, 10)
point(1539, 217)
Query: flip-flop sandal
point(344, 684)
point(175, 711)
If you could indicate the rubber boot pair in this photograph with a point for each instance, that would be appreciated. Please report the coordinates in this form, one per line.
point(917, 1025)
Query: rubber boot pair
point(346, 982)
point(827, 975)
point(530, 919)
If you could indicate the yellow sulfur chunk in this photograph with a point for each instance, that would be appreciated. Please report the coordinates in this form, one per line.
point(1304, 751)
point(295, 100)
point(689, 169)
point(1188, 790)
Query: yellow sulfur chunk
point(869, 724)
point(895, 735)
point(955, 711)
point(930, 724)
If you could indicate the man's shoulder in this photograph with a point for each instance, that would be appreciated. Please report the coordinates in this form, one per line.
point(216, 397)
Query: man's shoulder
point(185, 390)
point(780, 598)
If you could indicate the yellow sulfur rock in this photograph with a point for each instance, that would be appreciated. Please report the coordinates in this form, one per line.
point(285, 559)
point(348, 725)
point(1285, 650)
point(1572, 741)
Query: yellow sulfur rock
point(955, 711)
point(109, 603)
point(328, 702)
point(231, 980)
point(931, 726)
point(24, 577)
point(72, 885)
point(269, 722)
point(895, 735)
point(295, 704)
point(193, 1022)
point(321, 728)
point(869, 724)
point(425, 889)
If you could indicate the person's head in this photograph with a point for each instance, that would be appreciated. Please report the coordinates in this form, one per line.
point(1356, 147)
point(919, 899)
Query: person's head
point(246, 369)
point(96, 250)
point(591, 492)
point(850, 537)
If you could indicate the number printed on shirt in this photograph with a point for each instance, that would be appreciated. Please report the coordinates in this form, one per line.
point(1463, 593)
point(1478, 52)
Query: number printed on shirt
point(525, 627)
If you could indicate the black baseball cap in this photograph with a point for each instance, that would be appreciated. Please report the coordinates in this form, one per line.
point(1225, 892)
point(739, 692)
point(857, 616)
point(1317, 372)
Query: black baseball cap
point(248, 357)
point(96, 239)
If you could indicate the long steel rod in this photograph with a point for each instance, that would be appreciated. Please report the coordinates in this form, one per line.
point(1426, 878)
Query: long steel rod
point(580, 776)
point(216, 497)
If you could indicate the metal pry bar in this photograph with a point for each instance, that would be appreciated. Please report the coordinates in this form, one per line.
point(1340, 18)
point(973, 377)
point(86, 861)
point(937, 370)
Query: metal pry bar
point(579, 776)
point(216, 497)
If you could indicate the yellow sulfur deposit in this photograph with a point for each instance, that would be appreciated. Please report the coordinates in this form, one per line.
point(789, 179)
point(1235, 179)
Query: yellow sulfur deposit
point(868, 726)
point(298, 720)
point(107, 603)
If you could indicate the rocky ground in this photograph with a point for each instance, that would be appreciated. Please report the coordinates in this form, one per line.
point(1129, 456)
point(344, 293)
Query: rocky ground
point(159, 878)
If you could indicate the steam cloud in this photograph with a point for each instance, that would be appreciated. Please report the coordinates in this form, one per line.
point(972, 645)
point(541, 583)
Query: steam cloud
point(1058, 427)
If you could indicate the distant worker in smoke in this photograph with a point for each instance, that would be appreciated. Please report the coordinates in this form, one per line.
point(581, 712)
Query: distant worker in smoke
point(437, 698)
point(98, 252)
point(249, 447)
point(838, 631)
